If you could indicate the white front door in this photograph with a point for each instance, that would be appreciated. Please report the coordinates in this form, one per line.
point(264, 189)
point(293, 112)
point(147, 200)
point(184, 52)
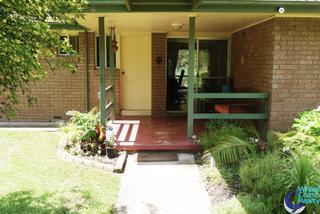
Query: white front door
point(135, 74)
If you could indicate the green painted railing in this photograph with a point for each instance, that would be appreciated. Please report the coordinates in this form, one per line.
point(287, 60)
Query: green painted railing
point(111, 88)
point(233, 116)
point(110, 105)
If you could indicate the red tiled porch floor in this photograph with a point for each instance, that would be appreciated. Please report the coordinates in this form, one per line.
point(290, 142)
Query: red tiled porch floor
point(154, 133)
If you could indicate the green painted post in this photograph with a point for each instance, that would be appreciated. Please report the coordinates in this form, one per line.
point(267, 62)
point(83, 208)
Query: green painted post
point(191, 51)
point(266, 121)
point(111, 75)
point(86, 74)
point(102, 60)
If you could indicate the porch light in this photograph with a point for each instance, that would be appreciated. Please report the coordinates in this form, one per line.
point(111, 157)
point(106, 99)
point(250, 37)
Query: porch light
point(281, 9)
point(177, 26)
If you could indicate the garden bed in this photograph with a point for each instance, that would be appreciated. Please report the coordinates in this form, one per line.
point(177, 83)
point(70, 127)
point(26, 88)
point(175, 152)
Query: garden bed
point(254, 175)
point(98, 162)
point(89, 143)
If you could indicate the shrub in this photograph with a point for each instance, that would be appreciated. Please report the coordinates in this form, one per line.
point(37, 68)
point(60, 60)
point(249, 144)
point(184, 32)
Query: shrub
point(231, 142)
point(81, 126)
point(85, 136)
point(300, 173)
point(300, 144)
point(304, 140)
point(217, 131)
point(258, 175)
point(272, 176)
point(231, 150)
point(308, 122)
point(253, 204)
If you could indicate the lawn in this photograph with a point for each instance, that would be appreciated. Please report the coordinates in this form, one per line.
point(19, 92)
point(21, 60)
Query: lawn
point(34, 180)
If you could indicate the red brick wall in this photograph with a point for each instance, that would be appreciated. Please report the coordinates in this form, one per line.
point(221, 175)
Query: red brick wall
point(252, 59)
point(62, 91)
point(158, 74)
point(280, 56)
point(296, 69)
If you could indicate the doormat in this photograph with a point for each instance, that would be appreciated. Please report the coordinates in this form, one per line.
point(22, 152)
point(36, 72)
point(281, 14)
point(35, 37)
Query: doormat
point(157, 156)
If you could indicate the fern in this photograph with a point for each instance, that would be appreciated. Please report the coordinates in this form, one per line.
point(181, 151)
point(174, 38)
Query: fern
point(274, 141)
point(251, 129)
point(231, 150)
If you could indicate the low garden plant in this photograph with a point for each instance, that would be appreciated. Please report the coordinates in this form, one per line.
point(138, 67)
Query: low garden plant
point(85, 135)
point(267, 168)
point(304, 139)
point(231, 142)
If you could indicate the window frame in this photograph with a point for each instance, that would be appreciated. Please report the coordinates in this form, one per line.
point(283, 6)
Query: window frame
point(59, 53)
point(96, 52)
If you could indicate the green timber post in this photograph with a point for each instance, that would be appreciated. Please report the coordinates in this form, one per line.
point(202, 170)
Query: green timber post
point(86, 74)
point(112, 74)
point(102, 66)
point(191, 55)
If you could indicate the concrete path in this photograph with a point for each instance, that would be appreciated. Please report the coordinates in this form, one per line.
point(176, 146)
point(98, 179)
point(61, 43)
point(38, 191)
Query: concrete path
point(162, 188)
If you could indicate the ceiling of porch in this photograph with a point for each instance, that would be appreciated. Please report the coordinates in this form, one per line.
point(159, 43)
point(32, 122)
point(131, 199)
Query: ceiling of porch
point(163, 22)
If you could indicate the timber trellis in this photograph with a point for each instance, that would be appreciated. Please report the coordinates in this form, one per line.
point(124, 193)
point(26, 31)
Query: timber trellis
point(111, 88)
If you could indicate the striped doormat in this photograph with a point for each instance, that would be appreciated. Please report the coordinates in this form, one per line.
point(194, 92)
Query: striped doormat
point(125, 131)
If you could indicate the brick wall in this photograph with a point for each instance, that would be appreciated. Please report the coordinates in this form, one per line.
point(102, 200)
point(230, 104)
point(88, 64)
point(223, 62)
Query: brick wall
point(296, 70)
point(62, 91)
point(158, 74)
point(280, 56)
point(252, 59)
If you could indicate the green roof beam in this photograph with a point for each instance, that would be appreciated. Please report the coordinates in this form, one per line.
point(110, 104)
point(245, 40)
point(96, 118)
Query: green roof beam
point(258, 8)
point(128, 4)
point(65, 26)
point(196, 4)
point(103, 2)
point(254, 6)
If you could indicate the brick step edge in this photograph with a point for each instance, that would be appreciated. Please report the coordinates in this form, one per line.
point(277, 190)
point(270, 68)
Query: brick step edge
point(159, 147)
point(118, 167)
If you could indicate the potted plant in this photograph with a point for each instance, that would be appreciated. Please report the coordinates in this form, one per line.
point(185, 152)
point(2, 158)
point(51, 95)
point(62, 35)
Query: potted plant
point(105, 139)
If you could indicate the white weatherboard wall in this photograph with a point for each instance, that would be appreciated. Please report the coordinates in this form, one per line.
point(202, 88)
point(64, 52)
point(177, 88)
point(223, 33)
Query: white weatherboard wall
point(135, 73)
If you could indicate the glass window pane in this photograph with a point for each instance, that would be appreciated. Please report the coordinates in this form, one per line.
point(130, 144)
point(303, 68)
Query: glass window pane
point(73, 40)
point(107, 52)
point(212, 67)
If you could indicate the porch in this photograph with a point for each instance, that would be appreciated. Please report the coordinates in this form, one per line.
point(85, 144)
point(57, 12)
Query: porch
point(138, 70)
point(135, 133)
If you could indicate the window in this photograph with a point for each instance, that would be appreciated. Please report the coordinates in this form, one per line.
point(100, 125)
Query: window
point(107, 52)
point(73, 41)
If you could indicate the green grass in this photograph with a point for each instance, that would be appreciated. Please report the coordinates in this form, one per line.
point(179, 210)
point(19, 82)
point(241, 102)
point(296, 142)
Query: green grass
point(34, 180)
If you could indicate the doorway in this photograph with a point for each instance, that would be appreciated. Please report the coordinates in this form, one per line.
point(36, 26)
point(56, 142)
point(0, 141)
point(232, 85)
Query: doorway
point(211, 70)
point(135, 84)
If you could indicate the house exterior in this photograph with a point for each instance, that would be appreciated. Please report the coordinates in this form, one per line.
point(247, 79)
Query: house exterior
point(271, 47)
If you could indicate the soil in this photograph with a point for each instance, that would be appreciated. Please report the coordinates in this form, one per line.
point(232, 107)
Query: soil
point(217, 189)
point(216, 186)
